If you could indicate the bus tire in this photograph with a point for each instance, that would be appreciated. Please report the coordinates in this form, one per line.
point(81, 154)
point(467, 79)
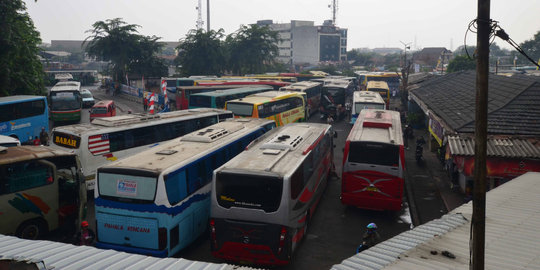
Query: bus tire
point(32, 229)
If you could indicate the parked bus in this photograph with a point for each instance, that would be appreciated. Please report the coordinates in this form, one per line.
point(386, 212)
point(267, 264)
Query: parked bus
point(392, 79)
point(23, 117)
point(110, 138)
point(183, 93)
point(335, 93)
point(381, 88)
point(247, 82)
point(265, 78)
point(41, 190)
point(366, 100)
point(374, 162)
point(302, 77)
point(158, 201)
point(217, 98)
point(282, 107)
point(65, 101)
point(263, 199)
point(313, 93)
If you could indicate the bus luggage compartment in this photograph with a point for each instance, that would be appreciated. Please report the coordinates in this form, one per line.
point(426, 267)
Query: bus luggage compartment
point(127, 231)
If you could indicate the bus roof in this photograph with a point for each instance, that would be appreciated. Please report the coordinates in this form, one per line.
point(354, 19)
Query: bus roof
point(226, 92)
point(299, 86)
point(11, 99)
point(177, 151)
point(377, 126)
point(67, 85)
point(279, 151)
point(336, 83)
point(367, 96)
point(266, 97)
point(377, 84)
point(13, 154)
point(133, 120)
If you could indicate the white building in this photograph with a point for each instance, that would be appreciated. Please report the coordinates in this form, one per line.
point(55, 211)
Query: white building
point(304, 43)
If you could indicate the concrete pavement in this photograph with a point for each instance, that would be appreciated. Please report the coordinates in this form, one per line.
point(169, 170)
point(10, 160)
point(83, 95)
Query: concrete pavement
point(428, 185)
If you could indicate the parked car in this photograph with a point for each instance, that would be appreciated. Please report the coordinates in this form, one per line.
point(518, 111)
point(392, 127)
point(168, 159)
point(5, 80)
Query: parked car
point(104, 108)
point(88, 98)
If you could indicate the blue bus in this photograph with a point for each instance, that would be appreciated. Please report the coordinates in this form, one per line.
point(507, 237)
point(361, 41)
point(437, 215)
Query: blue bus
point(22, 117)
point(217, 98)
point(157, 202)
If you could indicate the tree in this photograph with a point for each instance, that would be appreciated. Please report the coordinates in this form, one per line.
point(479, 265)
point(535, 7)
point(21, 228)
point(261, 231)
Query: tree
point(21, 71)
point(252, 49)
point(115, 41)
point(201, 53)
point(461, 62)
point(532, 48)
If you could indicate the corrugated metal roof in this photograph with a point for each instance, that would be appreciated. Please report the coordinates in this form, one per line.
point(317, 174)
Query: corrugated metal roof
point(512, 221)
point(512, 148)
point(65, 256)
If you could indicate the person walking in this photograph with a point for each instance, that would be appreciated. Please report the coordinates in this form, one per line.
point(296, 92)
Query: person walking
point(44, 137)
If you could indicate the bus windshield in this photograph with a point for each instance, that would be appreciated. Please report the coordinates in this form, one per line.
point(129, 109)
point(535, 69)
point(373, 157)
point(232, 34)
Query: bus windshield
point(337, 94)
point(65, 101)
point(127, 188)
point(374, 153)
point(249, 191)
point(360, 106)
point(200, 101)
point(240, 109)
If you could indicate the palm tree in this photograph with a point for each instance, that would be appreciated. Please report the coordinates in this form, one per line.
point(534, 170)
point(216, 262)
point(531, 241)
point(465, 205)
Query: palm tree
point(115, 41)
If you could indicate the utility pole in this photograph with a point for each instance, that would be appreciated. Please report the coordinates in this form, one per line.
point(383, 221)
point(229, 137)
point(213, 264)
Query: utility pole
point(405, 76)
point(479, 192)
point(208, 16)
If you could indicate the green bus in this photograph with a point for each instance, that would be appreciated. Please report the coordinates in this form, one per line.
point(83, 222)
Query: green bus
point(217, 98)
point(41, 190)
point(65, 102)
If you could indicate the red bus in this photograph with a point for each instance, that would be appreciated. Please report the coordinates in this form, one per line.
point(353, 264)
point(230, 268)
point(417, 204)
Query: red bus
point(275, 84)
point(374, 162)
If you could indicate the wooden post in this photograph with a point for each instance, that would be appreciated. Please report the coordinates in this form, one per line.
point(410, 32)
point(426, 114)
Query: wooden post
point(480, 171)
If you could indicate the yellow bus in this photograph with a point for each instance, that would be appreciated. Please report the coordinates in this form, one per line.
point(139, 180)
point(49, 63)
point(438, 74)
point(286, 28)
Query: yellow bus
point(281, 106)
point(382, 89)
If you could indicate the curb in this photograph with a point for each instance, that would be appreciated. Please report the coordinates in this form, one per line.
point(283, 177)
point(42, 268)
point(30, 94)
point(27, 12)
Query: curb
point(412, 203)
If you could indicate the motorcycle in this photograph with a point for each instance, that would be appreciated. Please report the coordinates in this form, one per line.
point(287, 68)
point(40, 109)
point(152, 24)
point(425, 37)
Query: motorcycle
point(420, 150)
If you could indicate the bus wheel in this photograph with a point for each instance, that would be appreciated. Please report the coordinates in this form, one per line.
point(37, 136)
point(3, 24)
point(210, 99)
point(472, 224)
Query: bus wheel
point(32, 229)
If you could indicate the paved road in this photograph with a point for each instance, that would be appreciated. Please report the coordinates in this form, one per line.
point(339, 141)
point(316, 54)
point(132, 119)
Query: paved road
point(335, 230)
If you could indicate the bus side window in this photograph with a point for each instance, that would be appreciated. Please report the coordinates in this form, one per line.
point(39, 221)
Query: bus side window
point(176, 186)
point(23, 176)
point(308, 168)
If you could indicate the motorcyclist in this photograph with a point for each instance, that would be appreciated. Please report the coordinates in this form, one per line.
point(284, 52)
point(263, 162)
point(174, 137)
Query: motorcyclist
point(370, 238)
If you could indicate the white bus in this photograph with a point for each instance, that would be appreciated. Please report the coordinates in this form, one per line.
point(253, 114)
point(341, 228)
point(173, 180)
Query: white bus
point(263, 199)
point(110, 138)
point(158, 201)
point(313, 93)
point(366, 100)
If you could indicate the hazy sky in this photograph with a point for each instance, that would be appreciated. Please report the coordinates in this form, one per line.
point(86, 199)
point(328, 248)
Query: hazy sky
point(371, 23)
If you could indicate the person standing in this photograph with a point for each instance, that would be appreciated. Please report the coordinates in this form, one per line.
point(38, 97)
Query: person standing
point(36, 141)
point(145, 103)
point(44, 137)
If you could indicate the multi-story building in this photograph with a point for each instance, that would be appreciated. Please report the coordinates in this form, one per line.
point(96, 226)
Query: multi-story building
point(304, 43)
